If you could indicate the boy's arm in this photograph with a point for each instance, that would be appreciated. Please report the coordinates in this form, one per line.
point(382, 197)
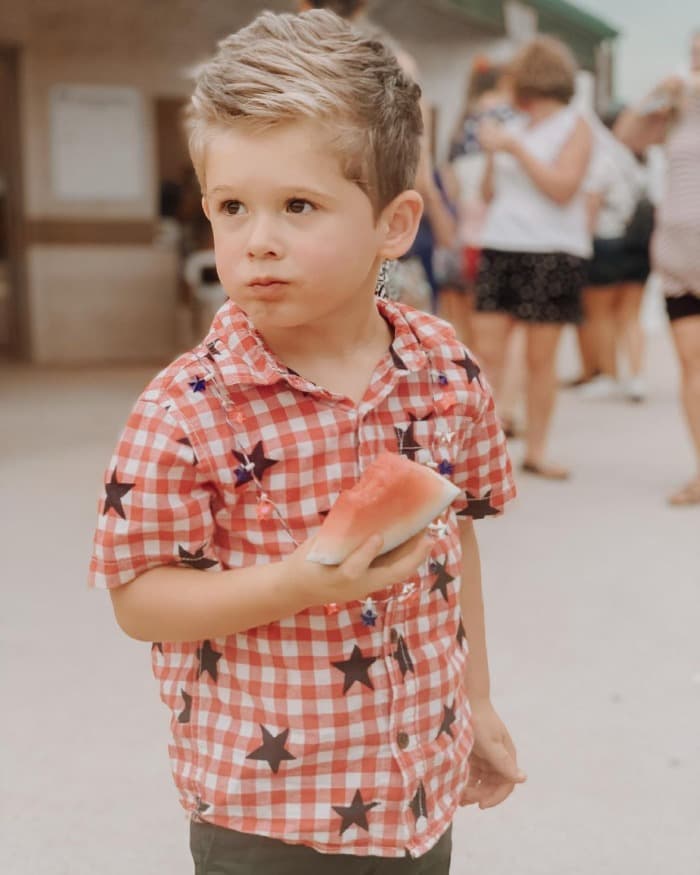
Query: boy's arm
point(184, 604)
point(494, 771)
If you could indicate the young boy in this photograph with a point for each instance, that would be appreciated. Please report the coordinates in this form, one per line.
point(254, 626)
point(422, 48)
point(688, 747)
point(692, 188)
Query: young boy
point(311, 727)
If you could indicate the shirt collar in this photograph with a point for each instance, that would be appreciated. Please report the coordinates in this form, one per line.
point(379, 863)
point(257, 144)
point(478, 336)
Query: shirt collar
point(240, 354)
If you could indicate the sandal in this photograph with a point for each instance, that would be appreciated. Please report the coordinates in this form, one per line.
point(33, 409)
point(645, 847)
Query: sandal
point(547, 472)
point(687, 496)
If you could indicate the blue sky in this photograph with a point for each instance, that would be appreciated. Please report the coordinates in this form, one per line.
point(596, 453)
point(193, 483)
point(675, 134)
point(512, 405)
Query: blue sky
point(654, 39)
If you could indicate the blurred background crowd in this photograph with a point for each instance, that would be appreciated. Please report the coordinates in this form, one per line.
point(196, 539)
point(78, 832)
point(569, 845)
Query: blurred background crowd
point(548, 201)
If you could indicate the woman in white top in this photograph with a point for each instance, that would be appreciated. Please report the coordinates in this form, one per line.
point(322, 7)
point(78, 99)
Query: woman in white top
point(536, 239)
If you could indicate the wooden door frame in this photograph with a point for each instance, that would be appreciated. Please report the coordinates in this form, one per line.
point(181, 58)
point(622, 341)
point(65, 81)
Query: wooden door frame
point(11, 160)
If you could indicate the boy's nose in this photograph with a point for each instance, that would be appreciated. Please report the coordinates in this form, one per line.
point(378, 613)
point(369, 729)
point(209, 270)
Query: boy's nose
point(263, 241)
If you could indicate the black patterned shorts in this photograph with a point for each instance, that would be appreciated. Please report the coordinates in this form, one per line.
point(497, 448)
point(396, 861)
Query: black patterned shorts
point(531, 286)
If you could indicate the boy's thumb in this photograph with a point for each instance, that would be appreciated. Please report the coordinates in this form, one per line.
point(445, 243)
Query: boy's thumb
point(505, 764)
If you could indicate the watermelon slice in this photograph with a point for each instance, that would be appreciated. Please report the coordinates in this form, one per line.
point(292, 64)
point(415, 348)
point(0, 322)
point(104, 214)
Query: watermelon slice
point(394, 497)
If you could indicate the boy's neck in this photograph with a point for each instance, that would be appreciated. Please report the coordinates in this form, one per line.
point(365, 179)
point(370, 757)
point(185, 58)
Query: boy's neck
point(339, 355)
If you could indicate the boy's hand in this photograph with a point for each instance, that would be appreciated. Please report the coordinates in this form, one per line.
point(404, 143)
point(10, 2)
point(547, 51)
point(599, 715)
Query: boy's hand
point(362, 573)
point(494, 770)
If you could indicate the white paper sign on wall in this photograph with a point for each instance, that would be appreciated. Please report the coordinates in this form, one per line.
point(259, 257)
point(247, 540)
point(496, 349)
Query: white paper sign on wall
point(97, 143)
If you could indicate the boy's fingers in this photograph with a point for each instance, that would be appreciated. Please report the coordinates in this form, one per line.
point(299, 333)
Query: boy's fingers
point(497, 795)
point(359, 560)
point(501, 761)
point(410, 550)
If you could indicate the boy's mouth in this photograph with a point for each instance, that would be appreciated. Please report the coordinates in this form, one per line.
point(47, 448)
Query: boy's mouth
point(265, 281)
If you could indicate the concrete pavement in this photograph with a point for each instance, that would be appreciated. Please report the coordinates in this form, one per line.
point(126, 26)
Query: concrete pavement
point(593, 605)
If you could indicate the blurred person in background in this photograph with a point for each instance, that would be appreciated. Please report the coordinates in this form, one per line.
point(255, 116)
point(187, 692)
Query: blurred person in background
point(670, 114)
point(622, 220)
point(462, 174)
point(536, 238)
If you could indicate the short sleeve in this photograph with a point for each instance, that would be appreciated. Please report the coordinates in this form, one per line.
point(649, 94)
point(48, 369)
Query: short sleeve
point(483, 470)
point(155, 508)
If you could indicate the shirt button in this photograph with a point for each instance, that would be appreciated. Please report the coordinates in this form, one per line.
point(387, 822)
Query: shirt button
point(402, 740)
point(394, 636)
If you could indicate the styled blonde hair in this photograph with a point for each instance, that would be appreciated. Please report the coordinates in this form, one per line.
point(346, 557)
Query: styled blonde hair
point(283, 68)
point(543, 67)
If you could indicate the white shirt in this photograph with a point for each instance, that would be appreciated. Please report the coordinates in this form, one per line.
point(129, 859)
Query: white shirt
point(618, 178)
point(523, 219)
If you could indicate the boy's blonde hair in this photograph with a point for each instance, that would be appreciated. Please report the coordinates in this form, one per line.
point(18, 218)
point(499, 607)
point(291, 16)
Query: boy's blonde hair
point(543, 67)
point(283, 68)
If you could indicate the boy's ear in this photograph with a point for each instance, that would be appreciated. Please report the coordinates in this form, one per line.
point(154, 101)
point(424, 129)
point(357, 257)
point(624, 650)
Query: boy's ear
point(205, 207)
point(399, 223)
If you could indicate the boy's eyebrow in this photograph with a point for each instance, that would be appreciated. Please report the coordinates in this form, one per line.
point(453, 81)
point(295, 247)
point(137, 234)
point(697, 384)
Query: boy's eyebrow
point(291, 189)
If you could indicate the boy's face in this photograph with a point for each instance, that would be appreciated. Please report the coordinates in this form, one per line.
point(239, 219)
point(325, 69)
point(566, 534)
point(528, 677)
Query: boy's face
point(296, 242)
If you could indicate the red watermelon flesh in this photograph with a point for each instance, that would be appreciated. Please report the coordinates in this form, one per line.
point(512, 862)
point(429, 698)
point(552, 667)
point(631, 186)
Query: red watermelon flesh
point(394, 497)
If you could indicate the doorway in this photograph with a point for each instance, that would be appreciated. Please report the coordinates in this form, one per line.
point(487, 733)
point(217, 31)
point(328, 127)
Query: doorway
point(14, 342)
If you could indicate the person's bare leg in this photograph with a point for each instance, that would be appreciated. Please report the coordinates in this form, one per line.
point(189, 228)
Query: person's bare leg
point(512, 379)
point(630, 331)
point(599, 308)
point(588, 351)
point(686, 337)
point(542, 343)
point(491, 332)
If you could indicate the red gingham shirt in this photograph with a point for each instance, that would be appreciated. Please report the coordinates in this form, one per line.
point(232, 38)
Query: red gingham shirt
point(317, 729)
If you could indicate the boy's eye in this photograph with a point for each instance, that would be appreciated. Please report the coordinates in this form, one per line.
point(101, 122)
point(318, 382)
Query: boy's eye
point(299, 206)
point(232, 208)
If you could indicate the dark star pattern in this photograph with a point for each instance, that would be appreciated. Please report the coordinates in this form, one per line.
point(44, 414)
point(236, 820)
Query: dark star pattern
point(115, 492)
point(355, 813)
point(212, 350)
point(355, 669)
point(208, 658)
point(396, 359)
point(448, 718)
point(185, 441)
point(202, 806)
point(199, 384)
point(157, 645)
point(408, 445)
point(419, 805)
point(461, 634)
point(443, 577)
point(260, 464)
point(470, 366)
point(195, 560)
point(478, 508)
point(186, 713)
point(272, 750)
point(403, 656)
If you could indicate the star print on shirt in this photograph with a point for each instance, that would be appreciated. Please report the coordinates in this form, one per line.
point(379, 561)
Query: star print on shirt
point(115, 492)
point(443, 577)
point(408, 445)
point(448, 718)
point(186, 713)
point(403, 656)
point(258, 462)
point(208, 658)
point(272, 750)
point(355, 813)
point(418, 804)
point(195, 560)
point(157, 645)
point(461, 634)
point(478, 508)
point(355, 669)
point(470, 366)
point(185, 441)
point(199, 384)
point(212, 350)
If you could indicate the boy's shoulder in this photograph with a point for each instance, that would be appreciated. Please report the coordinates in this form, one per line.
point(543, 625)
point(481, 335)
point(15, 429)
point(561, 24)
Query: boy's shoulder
point(436, 336)
point(228, 349)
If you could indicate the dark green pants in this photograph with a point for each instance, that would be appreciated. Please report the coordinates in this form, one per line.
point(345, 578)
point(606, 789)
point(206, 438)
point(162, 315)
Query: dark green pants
point(219, 851)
